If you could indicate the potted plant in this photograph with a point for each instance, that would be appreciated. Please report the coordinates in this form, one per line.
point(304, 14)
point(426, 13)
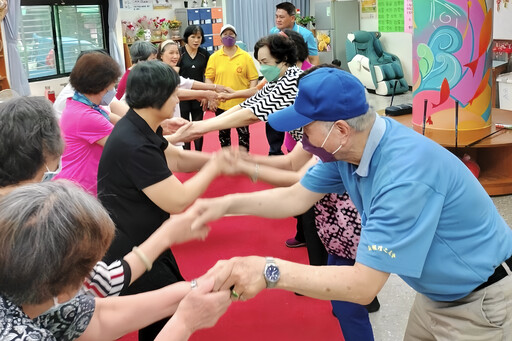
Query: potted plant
point(174, 27)
point(305, 21)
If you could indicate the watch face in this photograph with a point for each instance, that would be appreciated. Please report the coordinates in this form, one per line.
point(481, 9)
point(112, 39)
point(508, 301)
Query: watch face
point(272, 273)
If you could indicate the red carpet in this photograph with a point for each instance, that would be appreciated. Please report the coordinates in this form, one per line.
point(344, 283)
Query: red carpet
point(273, 314)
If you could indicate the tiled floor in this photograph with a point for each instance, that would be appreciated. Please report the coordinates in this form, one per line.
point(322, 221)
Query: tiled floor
point(396, 297)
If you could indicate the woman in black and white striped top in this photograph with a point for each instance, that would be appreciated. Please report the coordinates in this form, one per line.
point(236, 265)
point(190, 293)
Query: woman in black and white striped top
point(277, 56)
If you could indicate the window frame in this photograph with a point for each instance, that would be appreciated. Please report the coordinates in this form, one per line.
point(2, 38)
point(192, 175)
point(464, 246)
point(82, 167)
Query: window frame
point(104, 6)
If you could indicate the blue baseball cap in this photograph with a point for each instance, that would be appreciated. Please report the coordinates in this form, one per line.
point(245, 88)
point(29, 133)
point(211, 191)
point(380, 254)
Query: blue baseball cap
point(326, 94)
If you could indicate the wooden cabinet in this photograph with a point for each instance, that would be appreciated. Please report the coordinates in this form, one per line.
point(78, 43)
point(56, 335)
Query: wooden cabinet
point(4, 83)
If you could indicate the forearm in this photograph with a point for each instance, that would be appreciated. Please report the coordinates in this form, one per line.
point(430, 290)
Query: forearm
point(114, 118)
point(186, 94)
point(196, 185)
point(204, 86)
point(188, 161)
point(179, 160)
point(274, 203)
point(116, 316)
point(295, 160)
point(246, 93)
point(119, 108)
point(152, 247)
point(228, 119)
point(274, 176)
point(358, 284)
point(174, 330)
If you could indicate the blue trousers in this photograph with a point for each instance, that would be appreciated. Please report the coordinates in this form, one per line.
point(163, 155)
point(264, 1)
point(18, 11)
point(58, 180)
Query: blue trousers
point(353, 318)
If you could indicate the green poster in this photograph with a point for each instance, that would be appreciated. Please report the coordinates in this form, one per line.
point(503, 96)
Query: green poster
point(391, 15)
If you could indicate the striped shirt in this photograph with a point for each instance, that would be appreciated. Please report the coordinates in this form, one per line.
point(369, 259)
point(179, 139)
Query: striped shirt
point(275, 96)
point(107, 280)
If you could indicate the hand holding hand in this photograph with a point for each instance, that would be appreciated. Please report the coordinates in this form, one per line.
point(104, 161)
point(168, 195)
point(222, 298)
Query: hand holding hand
point(202, 308)
point(180, 134)
point(171, 125)
point(224, 96)
point(243, 275)
point(212, 105)
point(179, 228)
point(188, 132)
point(210, 95)
point(222, 88)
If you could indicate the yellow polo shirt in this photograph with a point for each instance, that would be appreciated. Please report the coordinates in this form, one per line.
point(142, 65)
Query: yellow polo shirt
point(235, 72)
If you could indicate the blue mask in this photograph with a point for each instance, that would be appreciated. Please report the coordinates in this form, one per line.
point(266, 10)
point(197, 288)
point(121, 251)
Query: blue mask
point(49, 175)
point(108, 97)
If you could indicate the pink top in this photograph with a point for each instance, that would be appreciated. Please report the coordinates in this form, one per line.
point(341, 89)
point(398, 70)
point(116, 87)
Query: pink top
point(121, 87)
point(289, 142)
point(82, 127)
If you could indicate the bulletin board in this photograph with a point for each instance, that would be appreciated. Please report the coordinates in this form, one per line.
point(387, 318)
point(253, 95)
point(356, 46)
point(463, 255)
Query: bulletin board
point(502, 25)
point(390, 15)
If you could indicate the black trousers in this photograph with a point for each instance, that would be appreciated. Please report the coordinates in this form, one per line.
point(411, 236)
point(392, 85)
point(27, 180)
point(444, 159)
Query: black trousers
point(306, 231)
point(225, 134)
point(192, 110)
point(164, 272)
point(275, 140)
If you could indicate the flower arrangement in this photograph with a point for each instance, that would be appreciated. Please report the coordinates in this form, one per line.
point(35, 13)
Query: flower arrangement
point(156, 23)
point(174, 24)
point(144, 22)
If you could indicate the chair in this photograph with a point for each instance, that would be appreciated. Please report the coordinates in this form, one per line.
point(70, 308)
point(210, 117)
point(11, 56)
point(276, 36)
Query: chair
point(376, 69)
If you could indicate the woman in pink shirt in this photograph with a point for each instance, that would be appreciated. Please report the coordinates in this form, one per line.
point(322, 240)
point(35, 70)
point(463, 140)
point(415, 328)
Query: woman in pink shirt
point(85, 123)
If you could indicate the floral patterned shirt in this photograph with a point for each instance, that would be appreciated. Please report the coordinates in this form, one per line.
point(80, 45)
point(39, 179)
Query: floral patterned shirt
point(338, 224)
point(65, 322)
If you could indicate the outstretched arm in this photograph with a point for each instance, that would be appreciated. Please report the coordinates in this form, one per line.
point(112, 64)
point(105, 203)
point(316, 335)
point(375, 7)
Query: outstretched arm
point(358, 283)
point(273, 203)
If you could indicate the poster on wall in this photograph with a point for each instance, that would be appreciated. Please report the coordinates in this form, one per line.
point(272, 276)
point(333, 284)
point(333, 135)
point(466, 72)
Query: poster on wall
point(136, 5)
point(162, 4)
point(368, 9)
point(391, 15)
point(502, 25)
point(408, 26)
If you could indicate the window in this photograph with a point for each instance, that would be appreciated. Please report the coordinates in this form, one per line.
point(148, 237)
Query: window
point(52, 34)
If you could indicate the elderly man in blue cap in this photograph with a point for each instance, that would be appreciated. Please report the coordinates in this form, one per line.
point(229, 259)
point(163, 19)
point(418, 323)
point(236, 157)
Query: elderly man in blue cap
point(424, 217)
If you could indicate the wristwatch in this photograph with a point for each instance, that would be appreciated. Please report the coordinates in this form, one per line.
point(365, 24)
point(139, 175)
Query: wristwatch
point(271, 273)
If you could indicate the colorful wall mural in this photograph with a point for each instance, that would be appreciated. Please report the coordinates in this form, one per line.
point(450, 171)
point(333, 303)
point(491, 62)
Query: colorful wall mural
point(452, 61)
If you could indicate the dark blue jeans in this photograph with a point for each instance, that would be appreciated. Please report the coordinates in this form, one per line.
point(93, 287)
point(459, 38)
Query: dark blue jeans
point(353, 318)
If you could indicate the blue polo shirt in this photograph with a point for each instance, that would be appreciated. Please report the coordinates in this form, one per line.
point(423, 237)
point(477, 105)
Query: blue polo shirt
point(306, 34)
point(424, 215)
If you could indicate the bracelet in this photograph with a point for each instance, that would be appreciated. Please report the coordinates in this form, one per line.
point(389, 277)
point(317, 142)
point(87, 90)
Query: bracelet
point(214, 87)
point(254, 176)
point(193, 283)
point(143, 258)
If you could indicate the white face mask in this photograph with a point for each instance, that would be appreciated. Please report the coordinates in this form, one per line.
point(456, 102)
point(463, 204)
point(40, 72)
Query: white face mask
point(49, 175)
point(108, 97)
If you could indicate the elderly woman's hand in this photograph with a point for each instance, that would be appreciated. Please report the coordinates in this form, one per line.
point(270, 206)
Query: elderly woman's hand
point(202, 308)
point(222, 88)
point(171, 125)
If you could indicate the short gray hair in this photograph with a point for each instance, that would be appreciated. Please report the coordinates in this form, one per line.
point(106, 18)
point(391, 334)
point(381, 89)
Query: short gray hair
point(51, 235)
point(29, 135)
point(358, 123)
point(362, 122)
point(141, 50)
